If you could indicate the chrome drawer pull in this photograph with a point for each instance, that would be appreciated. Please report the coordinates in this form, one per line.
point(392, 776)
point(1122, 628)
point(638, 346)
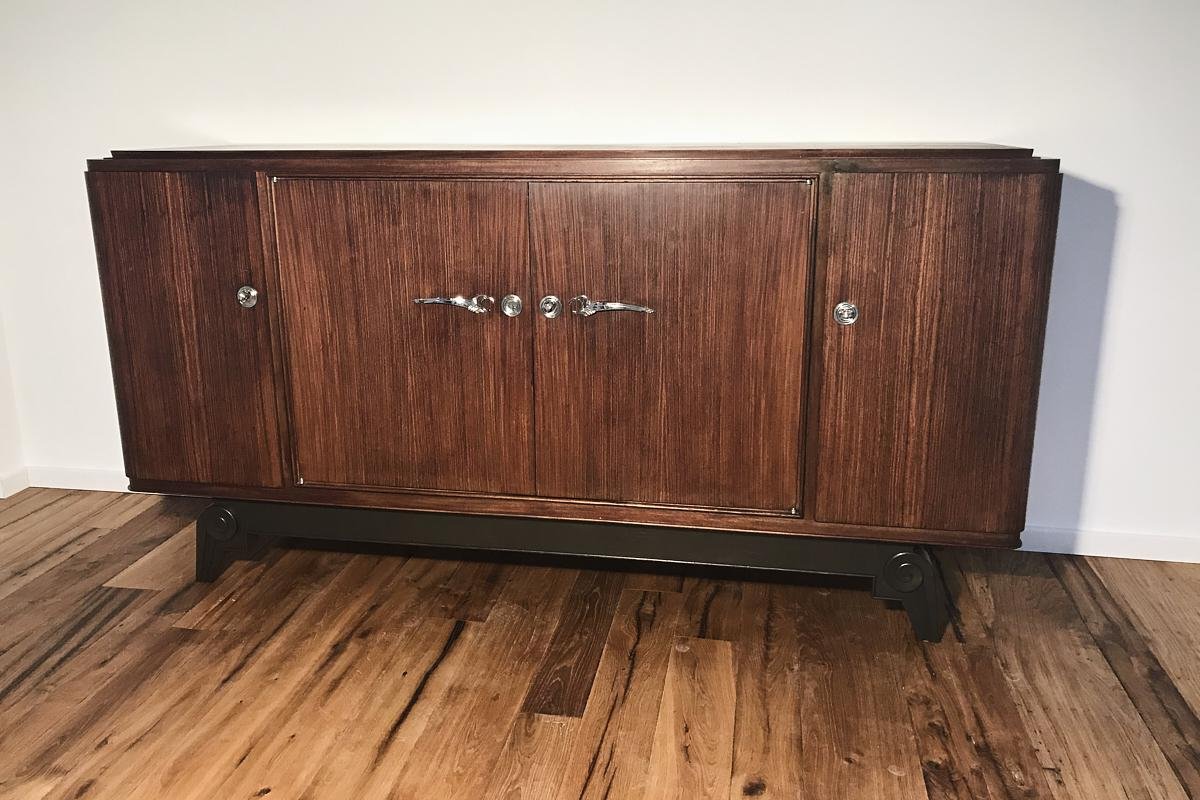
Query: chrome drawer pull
point(584, 307)
point(479, 304)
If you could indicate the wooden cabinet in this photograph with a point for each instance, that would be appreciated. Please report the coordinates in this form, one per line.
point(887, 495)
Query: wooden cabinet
point(740, 403)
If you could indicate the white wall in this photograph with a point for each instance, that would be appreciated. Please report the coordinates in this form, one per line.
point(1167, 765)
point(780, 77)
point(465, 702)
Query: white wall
point(12, 460)
point(1107, 86)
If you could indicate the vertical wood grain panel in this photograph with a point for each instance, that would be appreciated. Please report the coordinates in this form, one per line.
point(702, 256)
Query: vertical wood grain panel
point(392, 394)
point(927, 402)
point(699, 403)
point(193, 370)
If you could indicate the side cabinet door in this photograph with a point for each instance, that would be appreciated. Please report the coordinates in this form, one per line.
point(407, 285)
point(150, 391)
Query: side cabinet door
point(193, 369)
point(927, 400)
point(386, 393)
point(699, 403)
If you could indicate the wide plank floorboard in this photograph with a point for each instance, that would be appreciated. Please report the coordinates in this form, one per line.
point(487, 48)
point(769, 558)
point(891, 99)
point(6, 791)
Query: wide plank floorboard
point(693, 740)
point(315, 673)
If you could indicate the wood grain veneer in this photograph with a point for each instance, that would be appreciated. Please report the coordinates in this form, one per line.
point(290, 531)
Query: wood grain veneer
point(700, 402)
point(738, 406)
point(583, 162)
point(928, 400)
point(385, 392)
point(196, 388)
point(779, 150)
point(581, 511)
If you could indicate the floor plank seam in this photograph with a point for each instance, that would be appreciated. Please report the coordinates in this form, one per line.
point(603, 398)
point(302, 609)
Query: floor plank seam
point(1121, 631)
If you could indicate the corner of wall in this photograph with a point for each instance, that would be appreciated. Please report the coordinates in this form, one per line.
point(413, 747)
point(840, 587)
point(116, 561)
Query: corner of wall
point(13, 482)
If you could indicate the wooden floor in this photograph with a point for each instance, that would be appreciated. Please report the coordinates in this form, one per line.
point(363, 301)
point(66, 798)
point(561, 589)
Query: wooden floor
point(320, 674)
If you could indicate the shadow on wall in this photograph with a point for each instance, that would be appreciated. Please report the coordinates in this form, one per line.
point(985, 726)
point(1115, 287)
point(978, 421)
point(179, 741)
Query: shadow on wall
point(1083, 264)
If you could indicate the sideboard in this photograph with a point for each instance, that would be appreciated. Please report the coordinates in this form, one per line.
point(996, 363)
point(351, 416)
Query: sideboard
point(812, 358)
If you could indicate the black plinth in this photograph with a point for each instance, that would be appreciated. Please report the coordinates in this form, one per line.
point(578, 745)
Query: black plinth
point(235, 529)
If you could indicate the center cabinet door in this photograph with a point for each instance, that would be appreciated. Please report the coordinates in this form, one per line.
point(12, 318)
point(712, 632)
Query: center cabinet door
point(700, 402)
point(387, 393)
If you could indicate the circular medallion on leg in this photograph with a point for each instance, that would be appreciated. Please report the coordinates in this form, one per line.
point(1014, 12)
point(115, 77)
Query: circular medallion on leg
point(903, 573)
point(219, 523)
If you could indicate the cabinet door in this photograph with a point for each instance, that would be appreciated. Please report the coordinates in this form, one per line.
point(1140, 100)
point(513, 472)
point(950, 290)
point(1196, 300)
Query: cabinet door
point(699, 403)
point(385, 392)
point(928, 399)
point(193, 371)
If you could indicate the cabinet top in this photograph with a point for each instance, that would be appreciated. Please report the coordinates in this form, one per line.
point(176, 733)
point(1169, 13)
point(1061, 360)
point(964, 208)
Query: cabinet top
point(567, 162)
point(740, 151)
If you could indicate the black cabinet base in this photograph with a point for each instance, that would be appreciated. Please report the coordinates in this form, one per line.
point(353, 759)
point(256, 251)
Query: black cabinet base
point(221, 539)
point(233, 529)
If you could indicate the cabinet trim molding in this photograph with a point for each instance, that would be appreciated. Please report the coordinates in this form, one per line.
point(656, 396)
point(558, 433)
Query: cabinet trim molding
point(581, 511)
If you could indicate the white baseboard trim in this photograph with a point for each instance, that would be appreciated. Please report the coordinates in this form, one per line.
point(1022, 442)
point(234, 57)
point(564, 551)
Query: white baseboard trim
point(13, 482)
point(101, 480)
point(1144, 546)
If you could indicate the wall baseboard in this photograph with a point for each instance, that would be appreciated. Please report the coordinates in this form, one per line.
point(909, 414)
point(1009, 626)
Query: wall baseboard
point(13, 482)
point(102, 480)
point(1145, 546)
point(1113, 544)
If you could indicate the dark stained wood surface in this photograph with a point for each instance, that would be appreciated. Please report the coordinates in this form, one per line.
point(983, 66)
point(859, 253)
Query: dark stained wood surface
point(971, 736)
point(612, 749)
point(387, 425)
point(392, 394)
point(1128, 652)
point(195, 383)
point(326, 674)
point(1093, 736)
point(700, 402)
point(568, 162)
point(416, 153)
point(564, 680)
point(927, 401)
point(580, 510)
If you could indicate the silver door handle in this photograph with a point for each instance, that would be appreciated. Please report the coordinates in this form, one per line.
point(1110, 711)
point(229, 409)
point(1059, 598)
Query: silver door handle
point(479, 304)
point(585, 307)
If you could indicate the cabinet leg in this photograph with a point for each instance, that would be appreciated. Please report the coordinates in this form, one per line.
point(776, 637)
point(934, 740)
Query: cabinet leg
point(913, 578)
point(220, 541)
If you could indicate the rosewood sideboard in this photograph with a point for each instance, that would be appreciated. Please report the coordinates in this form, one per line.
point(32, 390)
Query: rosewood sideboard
point(817, 359)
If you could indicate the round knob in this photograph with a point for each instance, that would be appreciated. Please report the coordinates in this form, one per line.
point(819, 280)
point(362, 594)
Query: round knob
point(550, 306)
point(845, 313)
point(511, 305)
point(247, 297)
